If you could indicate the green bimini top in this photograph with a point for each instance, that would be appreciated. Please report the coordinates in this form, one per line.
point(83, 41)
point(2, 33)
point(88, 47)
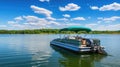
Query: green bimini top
point(76, 29)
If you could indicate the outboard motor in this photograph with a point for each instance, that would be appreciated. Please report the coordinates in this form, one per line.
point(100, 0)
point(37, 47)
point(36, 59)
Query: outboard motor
point(97, 48)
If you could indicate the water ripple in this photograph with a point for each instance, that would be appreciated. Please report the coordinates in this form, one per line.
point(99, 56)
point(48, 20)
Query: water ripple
point(22, 59)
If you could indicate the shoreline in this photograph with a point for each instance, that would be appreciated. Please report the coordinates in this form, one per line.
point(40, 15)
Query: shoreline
point(53, 31)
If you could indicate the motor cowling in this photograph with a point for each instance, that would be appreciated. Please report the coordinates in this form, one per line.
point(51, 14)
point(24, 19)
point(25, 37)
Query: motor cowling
point(97, 47)
point(96, 42)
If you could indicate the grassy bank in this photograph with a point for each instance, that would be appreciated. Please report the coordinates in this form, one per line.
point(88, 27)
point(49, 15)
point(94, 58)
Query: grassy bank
point(52, 31)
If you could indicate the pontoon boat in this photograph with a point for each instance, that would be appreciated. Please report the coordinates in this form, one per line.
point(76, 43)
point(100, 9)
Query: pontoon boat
point(77, 43)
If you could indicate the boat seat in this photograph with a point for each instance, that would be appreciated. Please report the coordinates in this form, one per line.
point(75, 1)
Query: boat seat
point(84, 43)
point(71, 37)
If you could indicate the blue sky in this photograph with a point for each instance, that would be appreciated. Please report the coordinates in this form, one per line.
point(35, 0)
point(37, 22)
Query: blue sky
point(36, 14)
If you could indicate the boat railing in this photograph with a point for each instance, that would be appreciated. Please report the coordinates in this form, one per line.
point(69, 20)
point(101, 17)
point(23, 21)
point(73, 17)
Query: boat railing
point(74, 37)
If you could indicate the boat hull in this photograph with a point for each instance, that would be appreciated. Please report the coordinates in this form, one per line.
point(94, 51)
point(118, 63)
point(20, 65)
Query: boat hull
point(71, 47)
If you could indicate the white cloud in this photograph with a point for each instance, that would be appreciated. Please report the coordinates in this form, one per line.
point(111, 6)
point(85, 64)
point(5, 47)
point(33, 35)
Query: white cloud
point(19, 18)
point(79, 18)
point(54, 23)
point(70, 7)
point(43, 11)
point(63, 19)
point(3, 27)
point(62, 25)
point(15, 24)
point(44, 0)
point(91, 25)
point(110, 19)
point(40, 10)
point(114, 6)
point(12, 22)
point(103, 27)
point(33, 22)
point(94, 7)
point(72, 24)
point(99, 22)
point(31, 18)
point(66, 15)
point(51, 18)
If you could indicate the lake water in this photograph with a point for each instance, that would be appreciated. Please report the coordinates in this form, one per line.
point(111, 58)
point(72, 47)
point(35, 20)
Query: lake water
point(18, 50)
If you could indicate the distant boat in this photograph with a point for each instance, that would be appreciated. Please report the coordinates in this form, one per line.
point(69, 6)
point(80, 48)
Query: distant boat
point(77, 43)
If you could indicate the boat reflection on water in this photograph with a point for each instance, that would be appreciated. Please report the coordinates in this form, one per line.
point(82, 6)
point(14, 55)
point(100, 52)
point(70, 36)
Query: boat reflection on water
point(71, 59)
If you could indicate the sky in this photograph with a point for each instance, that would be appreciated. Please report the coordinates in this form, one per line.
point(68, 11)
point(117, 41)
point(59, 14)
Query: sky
point(37, 14)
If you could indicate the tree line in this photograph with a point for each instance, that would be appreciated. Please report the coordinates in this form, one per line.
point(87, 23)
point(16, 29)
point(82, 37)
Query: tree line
point(53, 31)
